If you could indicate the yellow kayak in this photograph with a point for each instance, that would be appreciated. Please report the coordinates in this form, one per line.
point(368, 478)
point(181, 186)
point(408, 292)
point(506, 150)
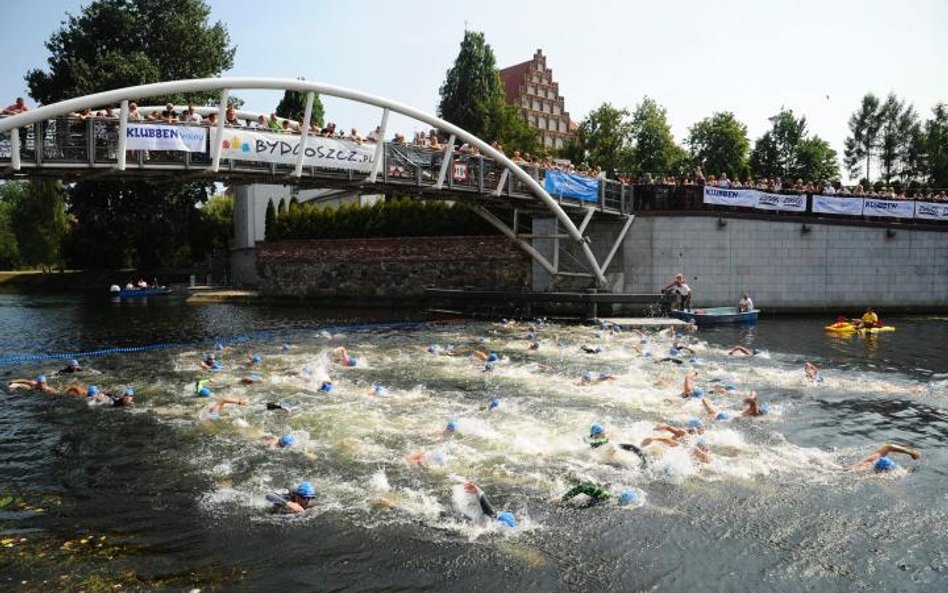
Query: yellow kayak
point(844, 327)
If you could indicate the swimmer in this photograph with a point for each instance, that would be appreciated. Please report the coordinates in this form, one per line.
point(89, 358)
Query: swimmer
point(880, 461)
point(678, 434)
point(813, 374)
point(487, 356)
point(596, 494)
point(122, 401)
point(440, 350)
point(72, 367)
point(689, 389)
point(278, 406)
point(424, 460)
point(668, 332)
point(202, 384)
point(534, 345)
point(504, 518)
point(214, 412)
point(254, 360)
point(753, 408)
point(493, 404)
point(598, 439)
point(587, 378)
point(377, 390)
point(294, 501)
point(450, 429)
point(592, 349)
point(210, 363)
point(341, 355)
point(282, 442)
point(39, 384)
point(742, 351)
point(251, 379)
point(80, 391)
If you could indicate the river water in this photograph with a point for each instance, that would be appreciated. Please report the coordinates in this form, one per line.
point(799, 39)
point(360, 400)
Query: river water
point(161, 497)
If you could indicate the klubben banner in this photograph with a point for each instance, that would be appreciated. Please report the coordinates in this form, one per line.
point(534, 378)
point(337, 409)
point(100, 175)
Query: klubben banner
point(752, 198)
point(325, 153)
point(165, 137)
point(888, 208)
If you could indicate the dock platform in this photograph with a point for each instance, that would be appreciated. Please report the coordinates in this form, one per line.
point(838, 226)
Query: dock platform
point(647, 322)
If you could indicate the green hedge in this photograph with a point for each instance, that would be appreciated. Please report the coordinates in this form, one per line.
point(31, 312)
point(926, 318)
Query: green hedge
point(388, 218)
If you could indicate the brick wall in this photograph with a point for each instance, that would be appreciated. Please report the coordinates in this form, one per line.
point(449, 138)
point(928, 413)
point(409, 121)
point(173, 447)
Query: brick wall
point(388, 269)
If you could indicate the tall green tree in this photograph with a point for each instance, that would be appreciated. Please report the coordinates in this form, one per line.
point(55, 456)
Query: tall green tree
point(816, 160)
point(38, 220)
point(269, 221)
point(10, 193)
point(293, 106)
point(898, 136)
point(472, 97)
point(118, 43)
point(862, 145)
point(719, 143)
point(605, 138)
point(934, 147)
point(654, 149)
point(786, 151)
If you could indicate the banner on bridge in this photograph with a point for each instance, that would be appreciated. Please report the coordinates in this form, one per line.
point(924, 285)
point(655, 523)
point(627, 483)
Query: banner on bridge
point(931, 211)
point(833, 205)
point(782, 202)
point(558, 183)
point(266, 147)
point(888, 208)
point(165, 137)
point(730, 197)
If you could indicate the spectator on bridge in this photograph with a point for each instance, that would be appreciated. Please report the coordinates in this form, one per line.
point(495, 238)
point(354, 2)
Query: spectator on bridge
point(191, 116)
point(18, 106)
point(828, 189)
point(259, 124)
point(230, 117)
point(354, 136)
point(374, 135)
point(133, 113)
point(723, 181)
point(286, 127)
point(210, 120)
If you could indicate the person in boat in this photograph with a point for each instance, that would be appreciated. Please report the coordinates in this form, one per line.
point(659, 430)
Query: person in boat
point(596, 494)
point(868, 320)
point(680, 288)
point(745, 304)
point(293, 501)
point(880, 461)
point(38, 384)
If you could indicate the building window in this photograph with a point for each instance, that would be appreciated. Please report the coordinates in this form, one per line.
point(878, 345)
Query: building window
point(558, 142)
point(563, 125)
point(536, 105)
point(556, 109)
point(531, 90)
point(541, 123)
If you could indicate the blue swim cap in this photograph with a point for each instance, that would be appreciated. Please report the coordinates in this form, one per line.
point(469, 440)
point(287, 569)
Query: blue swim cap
point(129, 391)
point(693, 360)
point(587, 376)
point(819, 378)
point(379, 389)
point(286, 441)
point(326, 386)
point(730, 387)
point(92, 391)
point(204, 392)
point(598, 335)
point(73, 363)
point(702, 442)
point(433, 349)
point(306, 490)
point(504, 320)
point(353, 361)
point(884, 464)
point(698, 392)
point(723, 416)
point(531, 336)
point(628, 496)
point(596, 429)
point(695, 423)
point(604, 376)
point(643, 341)
point(488, 366)
point(674, 351)
point(647, 354)
point(256, 359)
point(41, 378)
point(507, 518)
point(492, 357)
point(452, 426)
point(493, 404)
point(481, 339)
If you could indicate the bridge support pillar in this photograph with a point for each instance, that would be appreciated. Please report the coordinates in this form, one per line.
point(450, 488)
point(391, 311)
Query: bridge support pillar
point(542, 279)
point(243, 264)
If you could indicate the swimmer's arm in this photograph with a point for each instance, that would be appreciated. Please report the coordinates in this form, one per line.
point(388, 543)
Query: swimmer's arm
point(710, 409)
point(657, 439)
point(890, 448)
point(485, 504)
point(678, 432)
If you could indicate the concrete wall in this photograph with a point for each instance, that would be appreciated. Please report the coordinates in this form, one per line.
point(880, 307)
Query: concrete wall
point(388, 270)
point(784, 268)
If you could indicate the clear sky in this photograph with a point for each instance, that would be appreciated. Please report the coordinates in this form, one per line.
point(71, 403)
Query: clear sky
point(693, 56)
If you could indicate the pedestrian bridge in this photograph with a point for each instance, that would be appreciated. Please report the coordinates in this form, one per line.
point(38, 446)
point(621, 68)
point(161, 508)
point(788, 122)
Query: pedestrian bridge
point(52, 141)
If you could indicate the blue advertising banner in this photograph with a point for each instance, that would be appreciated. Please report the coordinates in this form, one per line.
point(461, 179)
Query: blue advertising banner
point(558, 183)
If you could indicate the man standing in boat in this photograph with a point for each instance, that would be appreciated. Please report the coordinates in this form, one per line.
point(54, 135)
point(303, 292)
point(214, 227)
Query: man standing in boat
point(680, 288)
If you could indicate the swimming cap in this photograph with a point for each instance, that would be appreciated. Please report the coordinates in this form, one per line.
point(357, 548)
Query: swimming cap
point(695, 423)
point(481, 339)
point(531, 336)
point(286, 346)
point(492, 357)
point(535, 343)
point(256, 359)
point(674, 351)
point(507, 518)
point(884, 464)
point(693, 360)
point(730, 387)
point(353, 361)
point(488, 366)
point(73, 363)
point(452, 426)
point(286, 441)
point(504, 320)
point(698, 392)
point(596, 429)
point(433, 349)
point(379, 389)
point(722, 416)
point(643, 341)
point(628, 496)
point(41, 378)
point(209, 357)
point(755, 351)
point(702, 442)
point(819, 379)
point(604, 376)
point(204, 392)
point(92, 391)
point(647, 354)
point(587, 376)
point(326, 386)
point(493, 404)
point(306, 490)
point(129, 391)
point(598, 335)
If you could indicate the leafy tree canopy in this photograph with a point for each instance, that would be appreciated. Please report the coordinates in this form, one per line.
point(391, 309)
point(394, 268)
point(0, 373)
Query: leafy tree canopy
point(719, 143)
point(654, 148)
point(293, 106)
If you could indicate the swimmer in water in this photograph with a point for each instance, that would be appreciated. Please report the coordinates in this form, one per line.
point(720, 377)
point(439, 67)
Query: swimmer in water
point(254, 360)
point(80, 391)
point(278, 406)
point(597, 349)
point(753, 408)
point(596, 494)
point(504, 518)
point(742, 351)
point(598, 439)
point(210, 363)
point(587, 378)
point(38, 384)
point(281, 442)
point(377, 390)
point(214, 412)
point(251, 379)
point(450, 430)
point(689, 389)
point(341, 356)
point(72, 367)
point(486, 356)
point(678, 434)
point(880, 461)
point(294, 501)
point(812, 372)
point(122, 401)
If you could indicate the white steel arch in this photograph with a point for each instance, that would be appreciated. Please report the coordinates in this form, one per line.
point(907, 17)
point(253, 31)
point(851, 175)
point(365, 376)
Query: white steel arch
point(225, 85)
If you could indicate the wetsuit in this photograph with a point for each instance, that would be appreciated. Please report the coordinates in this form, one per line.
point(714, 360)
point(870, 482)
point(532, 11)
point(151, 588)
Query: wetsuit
point(485, 505)
point(596, 442)
point(280, 501)
point(69, 369)
point(596, 493)
point(118, 401)
point(273, 406)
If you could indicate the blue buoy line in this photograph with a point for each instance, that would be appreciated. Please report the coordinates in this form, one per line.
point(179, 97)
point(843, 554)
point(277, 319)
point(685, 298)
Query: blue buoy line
point(238, 339)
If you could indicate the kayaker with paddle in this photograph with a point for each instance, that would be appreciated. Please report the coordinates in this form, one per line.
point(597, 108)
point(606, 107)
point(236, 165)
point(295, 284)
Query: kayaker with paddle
point(868, 320)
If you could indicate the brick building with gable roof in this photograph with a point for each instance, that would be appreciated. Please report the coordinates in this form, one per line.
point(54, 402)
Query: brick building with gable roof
point(530, 86)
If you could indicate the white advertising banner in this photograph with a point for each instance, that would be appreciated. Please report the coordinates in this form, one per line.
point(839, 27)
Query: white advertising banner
point(931, 210)
point(888, 208)
point(165, 137)
point(789, 203)
point(325, 153)
point(833, 205)
point(730, 197)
